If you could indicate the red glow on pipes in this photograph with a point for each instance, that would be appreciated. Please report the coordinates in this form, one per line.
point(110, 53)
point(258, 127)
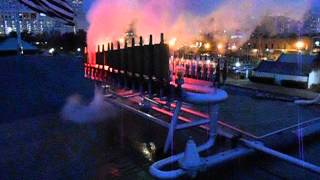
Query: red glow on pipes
point(206, 116)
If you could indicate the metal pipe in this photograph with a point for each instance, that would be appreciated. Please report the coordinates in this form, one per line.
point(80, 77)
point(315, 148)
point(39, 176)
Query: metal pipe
point(142, 114)
point(172, 127)
point(154, 169)
point(260, 147)
point(192, 124)
point(290, 127)
point(256, 145)
point(308, 130)
point(227, 156)
point(203, 115)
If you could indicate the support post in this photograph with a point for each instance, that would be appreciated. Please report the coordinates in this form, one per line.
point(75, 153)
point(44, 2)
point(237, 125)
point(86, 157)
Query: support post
point(19, 41)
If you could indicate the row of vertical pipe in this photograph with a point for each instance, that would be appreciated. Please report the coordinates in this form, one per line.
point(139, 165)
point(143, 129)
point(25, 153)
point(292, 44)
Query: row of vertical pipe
point(136, 64)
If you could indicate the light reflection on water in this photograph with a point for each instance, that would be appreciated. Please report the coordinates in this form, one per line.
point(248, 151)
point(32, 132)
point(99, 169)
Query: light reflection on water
point(148, 150)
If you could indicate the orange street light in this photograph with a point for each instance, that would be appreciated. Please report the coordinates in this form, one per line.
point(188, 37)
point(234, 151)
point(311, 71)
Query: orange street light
point(207, 46)
point(219, 46)
point(300, 45)
point(172, 42)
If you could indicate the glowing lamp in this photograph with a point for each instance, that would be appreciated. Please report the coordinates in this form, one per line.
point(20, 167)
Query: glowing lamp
point(207, 46)
point(121, 40)
point(51, 50)
point(234, 47)
point(300, 45)
point(238, 64)
point(78, 49)
point(9, 30)
point(172, 42)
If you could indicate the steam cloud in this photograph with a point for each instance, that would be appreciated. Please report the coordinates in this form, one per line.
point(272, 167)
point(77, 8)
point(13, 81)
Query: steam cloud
point(97, 110)
point(183, 19)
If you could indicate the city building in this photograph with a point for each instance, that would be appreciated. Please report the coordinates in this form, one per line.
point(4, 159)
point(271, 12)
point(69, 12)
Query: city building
point(12, 11)
point(271, 48)
point(80, 18)
point(312, 22)
point(279, 25)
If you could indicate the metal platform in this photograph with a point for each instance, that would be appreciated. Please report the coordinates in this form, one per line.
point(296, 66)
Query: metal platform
point(184, 103)
point(192, 115)
point(251, 118)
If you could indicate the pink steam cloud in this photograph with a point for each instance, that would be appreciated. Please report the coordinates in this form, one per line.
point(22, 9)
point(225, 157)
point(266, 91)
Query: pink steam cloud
point(110, 19)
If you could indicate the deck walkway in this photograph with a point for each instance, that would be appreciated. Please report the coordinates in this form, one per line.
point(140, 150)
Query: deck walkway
point(301, 93)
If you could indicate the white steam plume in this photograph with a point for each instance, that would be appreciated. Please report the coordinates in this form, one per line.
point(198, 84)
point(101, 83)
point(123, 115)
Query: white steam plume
point(97, 110)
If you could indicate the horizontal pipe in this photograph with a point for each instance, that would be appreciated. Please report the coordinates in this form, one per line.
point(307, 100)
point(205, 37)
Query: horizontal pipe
point(203, 115)
point(303, 164)
point(132, 95)
point(140, 113)
point(291, 127)
point(258, 146)
point(155, 168)
point(227, 156)
point(308, 130)
point(223, 124)
point(192, 124)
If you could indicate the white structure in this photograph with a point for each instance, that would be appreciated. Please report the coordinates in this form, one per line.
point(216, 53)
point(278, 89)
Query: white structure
point(290, 67)
point(314, 78)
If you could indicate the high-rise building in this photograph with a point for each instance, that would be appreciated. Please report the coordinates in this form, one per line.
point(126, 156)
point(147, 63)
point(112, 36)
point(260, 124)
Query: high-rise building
point(278, 25)
point(312, 22)
point(13, 13)
point(80, 15)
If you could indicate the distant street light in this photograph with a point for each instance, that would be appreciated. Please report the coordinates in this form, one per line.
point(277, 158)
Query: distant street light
point(79, 49)
point(300, 45)
point(207, 46)
point(233, 47)
point(220, 48)
point(51, 50)
point(172, 42)
point(238, 64)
